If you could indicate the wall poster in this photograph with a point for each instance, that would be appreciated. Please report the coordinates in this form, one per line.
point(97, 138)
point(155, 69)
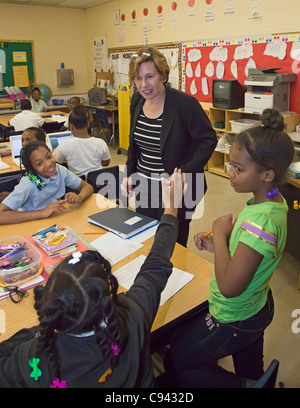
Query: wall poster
point(230, 58)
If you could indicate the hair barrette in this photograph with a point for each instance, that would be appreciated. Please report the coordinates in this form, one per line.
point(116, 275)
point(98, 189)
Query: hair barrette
point(115, 349)
point(75, 257)
point(36, 372)
point(59, 384)
point(36, 180)
point(271, 194)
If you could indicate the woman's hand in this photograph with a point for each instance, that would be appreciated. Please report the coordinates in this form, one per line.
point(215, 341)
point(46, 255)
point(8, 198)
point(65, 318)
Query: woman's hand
point(204, 242)
point(126, 187)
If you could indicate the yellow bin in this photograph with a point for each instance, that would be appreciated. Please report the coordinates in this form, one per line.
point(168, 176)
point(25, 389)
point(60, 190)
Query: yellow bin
point(124, 116)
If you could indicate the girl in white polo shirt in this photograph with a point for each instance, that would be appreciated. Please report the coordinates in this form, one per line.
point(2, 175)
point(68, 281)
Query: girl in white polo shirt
point(39, 193)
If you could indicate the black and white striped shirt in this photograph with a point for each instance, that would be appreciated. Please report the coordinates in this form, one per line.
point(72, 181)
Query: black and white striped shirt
point(147, 135)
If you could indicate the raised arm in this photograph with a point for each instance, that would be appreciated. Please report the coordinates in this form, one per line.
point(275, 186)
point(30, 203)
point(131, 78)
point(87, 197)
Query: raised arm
point(157, 268)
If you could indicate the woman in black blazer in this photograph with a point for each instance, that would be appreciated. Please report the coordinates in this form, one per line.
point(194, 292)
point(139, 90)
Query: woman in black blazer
point(169, 129)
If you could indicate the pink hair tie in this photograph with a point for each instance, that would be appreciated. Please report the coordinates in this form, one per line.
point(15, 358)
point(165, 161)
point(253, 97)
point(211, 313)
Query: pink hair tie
point(115, 349)
point(59, 384)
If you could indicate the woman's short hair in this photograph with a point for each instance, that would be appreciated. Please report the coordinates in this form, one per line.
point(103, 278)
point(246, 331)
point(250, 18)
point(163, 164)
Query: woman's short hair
point(147, 54)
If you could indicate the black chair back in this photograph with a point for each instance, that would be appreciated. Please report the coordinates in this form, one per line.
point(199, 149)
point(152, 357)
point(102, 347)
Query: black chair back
point(105, 181)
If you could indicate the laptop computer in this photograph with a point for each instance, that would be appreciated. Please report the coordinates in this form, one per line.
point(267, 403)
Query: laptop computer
point(15, 147)
point(56, 138)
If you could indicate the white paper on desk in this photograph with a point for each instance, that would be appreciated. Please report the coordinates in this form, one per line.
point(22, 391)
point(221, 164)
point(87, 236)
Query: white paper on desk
point(144, 235)
point(176, 281)
point(115, 248)
point(58, 118)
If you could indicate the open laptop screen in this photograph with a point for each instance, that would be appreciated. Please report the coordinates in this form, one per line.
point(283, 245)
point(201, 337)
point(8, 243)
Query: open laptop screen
point(56, 138)
point(16, 146)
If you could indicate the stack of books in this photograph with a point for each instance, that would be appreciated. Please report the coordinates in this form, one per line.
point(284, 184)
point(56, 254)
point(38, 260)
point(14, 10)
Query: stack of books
point(56, 240)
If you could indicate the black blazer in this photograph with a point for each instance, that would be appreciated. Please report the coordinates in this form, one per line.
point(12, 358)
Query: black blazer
point(187, 137)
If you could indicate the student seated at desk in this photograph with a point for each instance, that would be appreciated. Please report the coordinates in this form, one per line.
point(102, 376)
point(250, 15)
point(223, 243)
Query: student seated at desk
point(88, 335)
point(38, 105)
point(26, 118)
point(30, 134)
point(38, 195)
point(74, 101)
point(82, 153)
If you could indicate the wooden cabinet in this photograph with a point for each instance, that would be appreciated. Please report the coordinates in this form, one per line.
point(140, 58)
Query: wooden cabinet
point(7, 104)
point(220, 120)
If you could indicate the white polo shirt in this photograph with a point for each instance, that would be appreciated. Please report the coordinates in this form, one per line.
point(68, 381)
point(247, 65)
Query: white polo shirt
point(82, 155)
point(27, 197)
point(26, 119)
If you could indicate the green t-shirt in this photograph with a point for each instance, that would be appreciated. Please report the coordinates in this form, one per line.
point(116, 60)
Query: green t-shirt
point(262, 227)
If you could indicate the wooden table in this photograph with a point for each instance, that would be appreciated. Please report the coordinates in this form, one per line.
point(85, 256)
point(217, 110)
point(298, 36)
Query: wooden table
point(7, 104)
point(13, 168)
point(193, 295)
point(4, 120)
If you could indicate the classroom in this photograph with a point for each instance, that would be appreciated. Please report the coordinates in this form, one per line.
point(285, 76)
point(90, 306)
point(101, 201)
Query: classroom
point(66, 34)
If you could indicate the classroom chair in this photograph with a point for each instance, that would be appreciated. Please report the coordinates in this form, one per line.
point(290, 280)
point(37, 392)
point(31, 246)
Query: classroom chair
point(103, 178)
point(10, 184)
point(104, 124)
point(10, 131)
point(268, 379)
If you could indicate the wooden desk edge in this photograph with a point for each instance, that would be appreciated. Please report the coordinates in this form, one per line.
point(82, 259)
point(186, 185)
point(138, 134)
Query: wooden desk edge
point(182, 258)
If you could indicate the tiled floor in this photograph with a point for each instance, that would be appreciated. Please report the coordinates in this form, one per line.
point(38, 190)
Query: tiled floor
point(280, 341)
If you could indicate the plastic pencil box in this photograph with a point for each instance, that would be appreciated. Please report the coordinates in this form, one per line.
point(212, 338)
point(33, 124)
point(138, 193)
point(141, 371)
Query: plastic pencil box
point(11, 275)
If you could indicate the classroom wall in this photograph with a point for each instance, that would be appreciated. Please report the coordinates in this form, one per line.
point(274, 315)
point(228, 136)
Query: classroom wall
point(276, 17)
point(66, 35)
point(59, 35)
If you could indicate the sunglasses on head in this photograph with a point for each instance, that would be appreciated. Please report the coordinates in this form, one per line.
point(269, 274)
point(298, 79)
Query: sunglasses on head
point(147, 52)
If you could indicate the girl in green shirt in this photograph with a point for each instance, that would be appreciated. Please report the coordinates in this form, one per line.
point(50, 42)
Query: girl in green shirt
point(246, 251)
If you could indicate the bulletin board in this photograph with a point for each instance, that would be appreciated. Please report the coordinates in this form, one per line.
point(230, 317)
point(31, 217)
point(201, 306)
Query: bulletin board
point(16, 64)
point(230, 58)
point(119, 58)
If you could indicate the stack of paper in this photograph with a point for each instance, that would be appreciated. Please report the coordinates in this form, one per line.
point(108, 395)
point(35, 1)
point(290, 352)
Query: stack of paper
point(176, 281)
point(113, 248)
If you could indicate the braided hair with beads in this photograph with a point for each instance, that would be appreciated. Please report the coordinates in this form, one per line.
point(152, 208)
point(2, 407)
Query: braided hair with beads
point(79, 297)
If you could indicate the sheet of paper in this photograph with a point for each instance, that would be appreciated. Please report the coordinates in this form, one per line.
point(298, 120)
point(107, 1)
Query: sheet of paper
point(115, 248)
point(58, 118)
point(177, 280)
point(144, 235)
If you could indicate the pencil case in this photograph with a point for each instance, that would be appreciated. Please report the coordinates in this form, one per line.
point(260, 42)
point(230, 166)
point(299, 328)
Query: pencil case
point(13, 276)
